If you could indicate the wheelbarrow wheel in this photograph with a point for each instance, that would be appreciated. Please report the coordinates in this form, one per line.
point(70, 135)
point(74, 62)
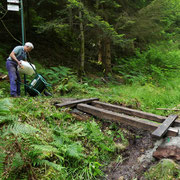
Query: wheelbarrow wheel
point(46, 93)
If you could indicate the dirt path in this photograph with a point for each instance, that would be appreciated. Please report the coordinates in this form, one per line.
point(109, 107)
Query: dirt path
point(136, 160)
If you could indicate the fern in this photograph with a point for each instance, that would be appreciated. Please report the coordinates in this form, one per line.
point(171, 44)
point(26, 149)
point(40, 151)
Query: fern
point(96, 136)
point(53, 165)
point(4, 119)
point(2, 161)
point(17, 161)
point(75, 150)
point(42, 162)
point(45, 148)
point(4, 106)
point(19, 129)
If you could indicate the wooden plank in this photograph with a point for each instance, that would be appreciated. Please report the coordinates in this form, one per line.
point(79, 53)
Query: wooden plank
point(168, 109)
point(74, 103)
point(162, 129)
point(129, 111)
point(132, 112)
point(113, 116)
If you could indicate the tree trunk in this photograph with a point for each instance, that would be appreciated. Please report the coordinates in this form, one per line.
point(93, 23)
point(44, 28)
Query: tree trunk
point(107, 57)
point(100, 52)
point(70, 19)
point(81, 70)
point(27, 17)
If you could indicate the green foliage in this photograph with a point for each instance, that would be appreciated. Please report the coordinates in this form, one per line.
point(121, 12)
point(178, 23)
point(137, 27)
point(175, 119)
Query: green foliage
point(5, 114)
point(156, 21)
point(156, 64)
point(4, 106)
point(96, 136)
point(65, 81)
point(53, 142)
point(20, 129)
point(17, 161)
point(56, 75)
point(2, 160)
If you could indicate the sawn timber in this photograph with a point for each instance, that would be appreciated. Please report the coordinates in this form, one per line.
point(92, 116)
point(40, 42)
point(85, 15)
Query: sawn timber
point(132, 121)
point(158, 125)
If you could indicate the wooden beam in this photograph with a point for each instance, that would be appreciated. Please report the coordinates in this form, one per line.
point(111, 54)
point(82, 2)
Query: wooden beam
point(132, 121)
point(132, 112)
point(74, 103)
point(162, 129)
point(168, 109)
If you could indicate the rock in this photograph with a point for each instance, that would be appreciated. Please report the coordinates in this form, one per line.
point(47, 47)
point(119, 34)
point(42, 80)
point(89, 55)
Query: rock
point(172, 152)
point(148, 155)
point(169, 149)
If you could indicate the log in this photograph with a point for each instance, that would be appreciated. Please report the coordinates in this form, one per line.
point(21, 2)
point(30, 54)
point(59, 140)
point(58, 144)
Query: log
point(162, 129)
point(74, 103)
point(132, 112)
point(122, 118)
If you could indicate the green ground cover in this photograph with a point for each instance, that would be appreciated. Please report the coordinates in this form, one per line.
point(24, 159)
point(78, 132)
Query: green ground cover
point(40, 141)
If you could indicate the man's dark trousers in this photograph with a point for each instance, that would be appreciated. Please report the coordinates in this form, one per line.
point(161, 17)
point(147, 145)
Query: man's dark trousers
point(14, 78)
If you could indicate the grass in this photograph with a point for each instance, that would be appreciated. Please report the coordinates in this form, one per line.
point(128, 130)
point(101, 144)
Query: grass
point(166, 169)
point(146, 97)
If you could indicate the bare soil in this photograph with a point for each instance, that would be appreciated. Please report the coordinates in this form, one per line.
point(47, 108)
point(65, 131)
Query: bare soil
point(132, 167)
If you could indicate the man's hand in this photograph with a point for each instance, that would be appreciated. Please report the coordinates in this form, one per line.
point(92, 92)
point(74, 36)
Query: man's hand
point(20, 64)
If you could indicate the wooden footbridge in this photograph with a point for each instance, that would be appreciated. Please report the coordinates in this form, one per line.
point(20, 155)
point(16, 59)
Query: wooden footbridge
point(158, 125)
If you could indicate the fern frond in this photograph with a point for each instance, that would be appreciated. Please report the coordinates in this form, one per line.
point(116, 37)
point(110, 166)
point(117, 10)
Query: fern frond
point(19, 129)
point(57, 167)
point(45, 148)
point(4, 119)
point(4, 106)
point(75, 150)
point(39, 162)
point(58, 141)
point(17, 161)
point(2, 161)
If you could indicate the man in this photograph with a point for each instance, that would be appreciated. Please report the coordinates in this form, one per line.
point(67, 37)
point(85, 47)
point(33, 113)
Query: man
point(18, 53)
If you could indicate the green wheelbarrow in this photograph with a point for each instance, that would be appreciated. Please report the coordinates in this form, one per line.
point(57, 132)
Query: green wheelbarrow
point(37, 86)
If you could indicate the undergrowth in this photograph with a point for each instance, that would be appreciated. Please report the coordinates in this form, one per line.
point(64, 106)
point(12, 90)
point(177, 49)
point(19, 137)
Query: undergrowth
point(153, 65)
point(38, 141)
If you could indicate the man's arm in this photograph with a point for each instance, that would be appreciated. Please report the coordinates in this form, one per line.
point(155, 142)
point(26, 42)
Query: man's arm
point(13, 56)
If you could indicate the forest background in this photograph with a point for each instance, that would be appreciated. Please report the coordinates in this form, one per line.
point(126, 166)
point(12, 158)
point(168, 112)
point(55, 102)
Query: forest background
point(124, 51)
point(81, 34)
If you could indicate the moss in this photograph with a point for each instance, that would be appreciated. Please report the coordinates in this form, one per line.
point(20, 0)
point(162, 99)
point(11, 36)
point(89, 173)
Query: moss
point(166, 169)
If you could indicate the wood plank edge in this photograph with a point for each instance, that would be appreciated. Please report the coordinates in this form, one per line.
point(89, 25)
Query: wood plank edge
point(164, 126)
point(74, 103)
point(149, 116)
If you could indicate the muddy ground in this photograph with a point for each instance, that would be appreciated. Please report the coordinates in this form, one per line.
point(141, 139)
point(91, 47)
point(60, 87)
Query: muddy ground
point(136, 158)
